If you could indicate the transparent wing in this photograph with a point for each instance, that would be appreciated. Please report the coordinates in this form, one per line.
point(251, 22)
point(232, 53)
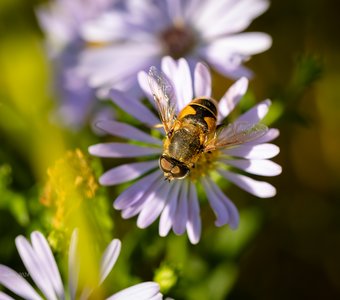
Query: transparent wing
point(236, 134)
point(162, 92)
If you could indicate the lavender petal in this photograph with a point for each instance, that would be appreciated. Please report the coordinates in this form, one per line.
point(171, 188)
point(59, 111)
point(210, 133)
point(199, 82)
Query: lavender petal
point(17, 284)
point(270, 135)
point(234, 18)
point(234, 217)
point(262, 151)
point(126, 131)
point(202, 80)
point(109, 259)
point(153, 205)
point(34, 267)
point(139, 204)
point(220, 210)
point(256, 113)
point(244, 44)
point(257, 188)
point(119, 150)
point(194, 225)
point(127, 172)
point(257, 167)
point(181, 215)
point(134, 108)
point(43, 251)
point(232, 97)
point(167, 217)
point(133, 193)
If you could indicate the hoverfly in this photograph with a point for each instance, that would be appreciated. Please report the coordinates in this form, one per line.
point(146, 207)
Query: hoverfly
point(193, 131)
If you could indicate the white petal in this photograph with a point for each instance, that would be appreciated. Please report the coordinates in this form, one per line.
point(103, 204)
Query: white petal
point(142, 291)
point(235, 18)
point(181, 214)
point(244, 44)
point(129, 84)
point(202, 80)
point(134, 192)
point(17, 284)
point(109, 258)
point(58, 32)
point(142, 77)
point(261, 151)
point(34, 267)
point(106, 28)
point(194, 225)
point(4, 296)
point(154, 204)
point(43, 251)
point(127, 131)
point(134, 108)
point(169, 68)
point(184, 82)
point(118, 62)
point(220, 210)
point(228, 64)
point(258, 167)
point(145, 16)
point(257, 188)
point(232, 97)
point(127, 172)
point(256, 113)
point(167, 217)
point(158, 296)
point(207, 13)
point(122, 150)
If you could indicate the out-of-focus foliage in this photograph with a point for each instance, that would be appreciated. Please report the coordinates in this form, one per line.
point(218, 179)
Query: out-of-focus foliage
point(286, 247)
point(10, 200)
point(71, 193)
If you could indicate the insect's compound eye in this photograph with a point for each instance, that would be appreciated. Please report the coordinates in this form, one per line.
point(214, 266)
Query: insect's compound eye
point(165, 164)
point(172, 168)
point(180, 171)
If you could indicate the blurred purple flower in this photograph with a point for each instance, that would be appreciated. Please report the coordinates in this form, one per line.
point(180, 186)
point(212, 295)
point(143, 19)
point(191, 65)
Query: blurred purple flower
point(176, 202)
point(135, 38)
point(42, 268)
point(61, 21)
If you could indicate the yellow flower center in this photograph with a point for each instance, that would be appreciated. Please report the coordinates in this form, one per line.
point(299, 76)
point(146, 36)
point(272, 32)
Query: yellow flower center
point(205, 164)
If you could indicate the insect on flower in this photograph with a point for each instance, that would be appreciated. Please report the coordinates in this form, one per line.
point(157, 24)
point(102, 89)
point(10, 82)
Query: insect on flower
point(193, 134)
point(195, 150)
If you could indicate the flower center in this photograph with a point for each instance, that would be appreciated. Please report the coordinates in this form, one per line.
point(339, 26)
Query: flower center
point(205, 164)
point(178, 41)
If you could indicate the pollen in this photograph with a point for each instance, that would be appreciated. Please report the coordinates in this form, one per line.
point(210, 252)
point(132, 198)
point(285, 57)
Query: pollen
point(205, 164)
point(70, 182)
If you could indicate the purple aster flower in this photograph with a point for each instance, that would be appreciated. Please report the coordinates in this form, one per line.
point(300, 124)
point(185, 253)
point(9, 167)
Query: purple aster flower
point(61, 20)
point(42, 268)
point(176, 202)
point(147, 30)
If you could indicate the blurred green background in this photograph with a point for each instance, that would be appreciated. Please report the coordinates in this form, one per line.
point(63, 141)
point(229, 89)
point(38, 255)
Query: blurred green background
point(286, 247)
